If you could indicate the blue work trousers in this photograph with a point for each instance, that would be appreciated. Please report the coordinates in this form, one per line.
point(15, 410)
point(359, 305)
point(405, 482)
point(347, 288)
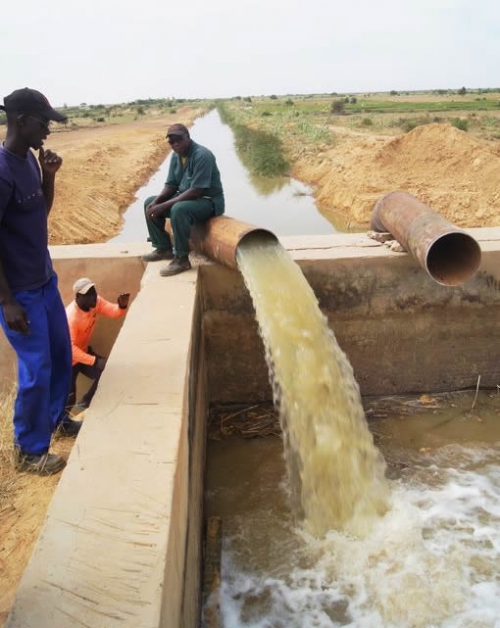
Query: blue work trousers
point(44, 367)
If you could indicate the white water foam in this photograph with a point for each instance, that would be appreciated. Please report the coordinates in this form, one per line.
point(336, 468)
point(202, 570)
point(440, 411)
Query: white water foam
point(431, 562)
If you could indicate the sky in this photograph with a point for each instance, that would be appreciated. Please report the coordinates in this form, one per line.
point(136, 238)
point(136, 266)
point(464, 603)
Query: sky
point(112, 51)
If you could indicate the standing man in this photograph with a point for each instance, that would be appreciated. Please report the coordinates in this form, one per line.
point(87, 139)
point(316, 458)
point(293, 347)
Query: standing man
point(83, 313)
point(32, 314)
point(192, 193)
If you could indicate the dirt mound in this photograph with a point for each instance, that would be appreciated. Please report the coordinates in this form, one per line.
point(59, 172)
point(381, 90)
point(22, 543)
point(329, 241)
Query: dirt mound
point(451, 171)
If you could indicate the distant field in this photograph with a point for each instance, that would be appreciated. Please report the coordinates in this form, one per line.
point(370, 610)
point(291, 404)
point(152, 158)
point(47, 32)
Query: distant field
point(95, 115)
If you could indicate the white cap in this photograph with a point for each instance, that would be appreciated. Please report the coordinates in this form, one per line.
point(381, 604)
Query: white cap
point(83, 285)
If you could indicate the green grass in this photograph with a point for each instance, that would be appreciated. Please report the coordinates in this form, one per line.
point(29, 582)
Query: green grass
point(261, 150)
point(310, 119)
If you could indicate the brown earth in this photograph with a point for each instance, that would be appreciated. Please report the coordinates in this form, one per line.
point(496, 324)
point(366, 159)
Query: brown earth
point(455, 173)
point(450, 170)
point(103, 167)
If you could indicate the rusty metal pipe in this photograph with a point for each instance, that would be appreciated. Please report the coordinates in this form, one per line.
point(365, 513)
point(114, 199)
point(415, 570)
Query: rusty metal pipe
point(219, 238)
point(447, 253)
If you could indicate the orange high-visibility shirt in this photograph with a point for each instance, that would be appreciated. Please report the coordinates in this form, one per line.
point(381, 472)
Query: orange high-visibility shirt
point(81, 325)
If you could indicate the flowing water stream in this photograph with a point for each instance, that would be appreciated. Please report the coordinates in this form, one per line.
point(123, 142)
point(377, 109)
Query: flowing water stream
point(336, 472)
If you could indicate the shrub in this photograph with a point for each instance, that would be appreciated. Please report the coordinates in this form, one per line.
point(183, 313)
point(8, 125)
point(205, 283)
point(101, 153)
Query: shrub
point(288, 101)
point(366, 122)
point(460, 123)
point(338, 107)
point(409, 125)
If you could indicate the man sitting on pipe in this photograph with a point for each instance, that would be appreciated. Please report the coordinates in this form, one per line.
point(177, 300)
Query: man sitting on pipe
point(192, 193)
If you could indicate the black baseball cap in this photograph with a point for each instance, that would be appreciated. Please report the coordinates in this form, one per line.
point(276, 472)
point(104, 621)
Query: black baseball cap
point(28, 100)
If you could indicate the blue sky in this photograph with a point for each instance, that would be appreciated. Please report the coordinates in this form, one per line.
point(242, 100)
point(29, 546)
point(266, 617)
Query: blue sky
point(106, 51)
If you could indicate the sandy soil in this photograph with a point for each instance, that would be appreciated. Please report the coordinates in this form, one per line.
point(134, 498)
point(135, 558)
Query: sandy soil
point(24, 500)
point(103, 167)
point(452, 171)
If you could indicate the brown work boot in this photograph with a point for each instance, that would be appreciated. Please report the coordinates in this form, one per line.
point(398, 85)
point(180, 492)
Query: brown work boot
point(157, 255)
point(43, 464)
point(176, 266)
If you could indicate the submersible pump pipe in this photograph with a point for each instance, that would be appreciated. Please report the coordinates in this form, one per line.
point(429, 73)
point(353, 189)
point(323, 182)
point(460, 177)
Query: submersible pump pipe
point(219, 238)
point(448, 254)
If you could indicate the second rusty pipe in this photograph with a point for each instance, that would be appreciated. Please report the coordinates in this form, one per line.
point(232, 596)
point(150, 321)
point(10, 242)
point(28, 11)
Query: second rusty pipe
point(448, 254)
point(219, 238)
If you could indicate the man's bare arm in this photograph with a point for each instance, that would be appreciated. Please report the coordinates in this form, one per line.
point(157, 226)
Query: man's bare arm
point(49, 164)
point(15, 316)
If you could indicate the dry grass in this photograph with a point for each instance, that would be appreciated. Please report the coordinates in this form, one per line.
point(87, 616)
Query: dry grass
point(257, 420)
point(24, 499)
point(8, 475)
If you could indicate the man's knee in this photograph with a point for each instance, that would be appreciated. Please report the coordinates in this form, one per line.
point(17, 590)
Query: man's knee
point(191, 211)
point(148, 201)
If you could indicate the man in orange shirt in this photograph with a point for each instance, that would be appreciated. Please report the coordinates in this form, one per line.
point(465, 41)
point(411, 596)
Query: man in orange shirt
point(82, 316)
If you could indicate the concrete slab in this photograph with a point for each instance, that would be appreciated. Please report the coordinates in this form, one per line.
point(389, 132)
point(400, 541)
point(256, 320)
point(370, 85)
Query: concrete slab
point(102, 554)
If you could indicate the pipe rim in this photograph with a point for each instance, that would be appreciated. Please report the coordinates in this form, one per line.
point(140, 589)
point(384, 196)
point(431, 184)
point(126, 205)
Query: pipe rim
point(452, 274)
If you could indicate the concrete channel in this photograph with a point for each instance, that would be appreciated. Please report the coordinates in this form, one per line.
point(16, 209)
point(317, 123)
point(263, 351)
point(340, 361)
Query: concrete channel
point(122, 541)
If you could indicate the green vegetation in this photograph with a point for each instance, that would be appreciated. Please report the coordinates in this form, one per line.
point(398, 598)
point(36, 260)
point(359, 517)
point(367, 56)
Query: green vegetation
point(261, 151)
point(313, 117)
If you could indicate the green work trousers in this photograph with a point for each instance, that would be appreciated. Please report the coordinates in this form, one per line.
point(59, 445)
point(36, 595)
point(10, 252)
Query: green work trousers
point(182, 215)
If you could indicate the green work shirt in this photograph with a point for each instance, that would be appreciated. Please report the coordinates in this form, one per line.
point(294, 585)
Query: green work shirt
point(199, 171)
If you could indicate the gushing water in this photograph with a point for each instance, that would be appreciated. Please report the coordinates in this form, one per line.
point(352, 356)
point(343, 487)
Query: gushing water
point(335, 470)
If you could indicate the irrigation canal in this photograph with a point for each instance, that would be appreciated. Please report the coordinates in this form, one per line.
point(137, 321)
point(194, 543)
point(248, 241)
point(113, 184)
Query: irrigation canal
point(281, 204)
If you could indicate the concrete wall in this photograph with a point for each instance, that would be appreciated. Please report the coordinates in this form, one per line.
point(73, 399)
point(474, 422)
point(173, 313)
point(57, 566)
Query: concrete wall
point(402, 331)
point(115, 268)
point(121, 545)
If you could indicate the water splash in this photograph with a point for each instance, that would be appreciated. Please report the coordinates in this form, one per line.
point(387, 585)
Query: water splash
point(336, 472)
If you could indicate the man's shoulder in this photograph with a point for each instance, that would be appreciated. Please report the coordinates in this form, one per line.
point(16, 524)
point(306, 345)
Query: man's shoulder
point(4, 164)
point(72, 310)
point(200, 150)
point(11, 164)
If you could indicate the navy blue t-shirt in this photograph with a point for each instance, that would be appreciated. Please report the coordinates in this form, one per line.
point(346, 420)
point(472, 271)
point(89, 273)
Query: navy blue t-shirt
point(23, 223)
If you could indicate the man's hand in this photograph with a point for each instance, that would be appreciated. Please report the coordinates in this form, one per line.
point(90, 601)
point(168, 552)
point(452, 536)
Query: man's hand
point(123, 299)
point(15, 317)
point(100, 363)
point(49, 162)
point(156, 210)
